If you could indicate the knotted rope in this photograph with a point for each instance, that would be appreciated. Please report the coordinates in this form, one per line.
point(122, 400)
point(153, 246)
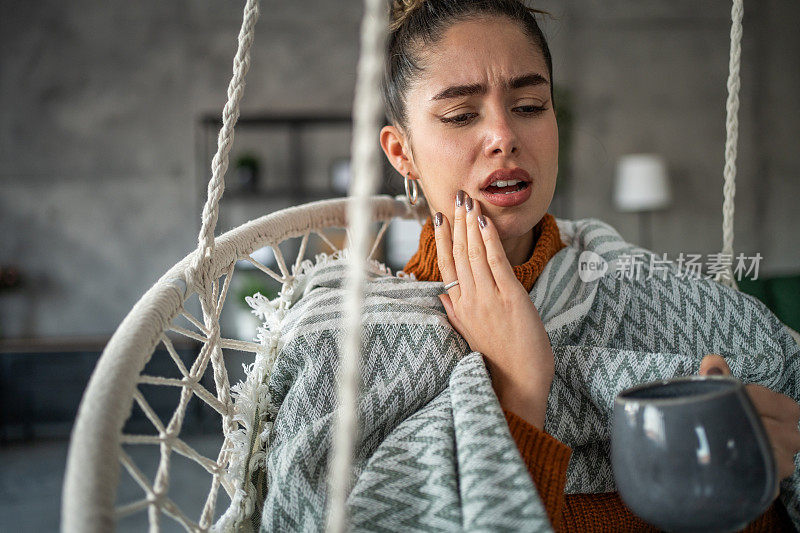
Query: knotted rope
point(196, 272)
point(732, 130)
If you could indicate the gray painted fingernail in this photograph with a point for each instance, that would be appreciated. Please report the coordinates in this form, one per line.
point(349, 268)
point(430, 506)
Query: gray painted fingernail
point(481, 221)
point(469, 203)
point(459, 198)
point(437, 219)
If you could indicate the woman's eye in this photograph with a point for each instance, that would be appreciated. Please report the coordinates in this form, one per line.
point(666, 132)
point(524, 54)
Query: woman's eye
point(460, 119)
point(465, 118)
point(531, 109)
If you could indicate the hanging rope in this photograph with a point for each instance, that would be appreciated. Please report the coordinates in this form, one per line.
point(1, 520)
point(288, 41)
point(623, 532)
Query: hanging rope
point(732, 129)
point(219, 165)
point(366, 157)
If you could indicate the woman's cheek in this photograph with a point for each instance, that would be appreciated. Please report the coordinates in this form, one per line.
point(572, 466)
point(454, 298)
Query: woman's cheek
point(457, 155)
point(446, 167)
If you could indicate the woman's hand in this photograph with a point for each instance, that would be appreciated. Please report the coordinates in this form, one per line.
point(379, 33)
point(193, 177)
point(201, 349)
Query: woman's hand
point(491, 309)
point(779, 413)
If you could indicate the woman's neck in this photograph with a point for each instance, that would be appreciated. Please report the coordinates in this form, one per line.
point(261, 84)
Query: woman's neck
point(518, 249)
point(545, 235)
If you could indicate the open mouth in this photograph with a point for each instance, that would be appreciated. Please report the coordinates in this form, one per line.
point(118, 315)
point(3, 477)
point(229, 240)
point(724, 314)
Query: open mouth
point(506, 187)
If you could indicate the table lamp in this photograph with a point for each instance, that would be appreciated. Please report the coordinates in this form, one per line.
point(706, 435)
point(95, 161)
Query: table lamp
point(641, 185)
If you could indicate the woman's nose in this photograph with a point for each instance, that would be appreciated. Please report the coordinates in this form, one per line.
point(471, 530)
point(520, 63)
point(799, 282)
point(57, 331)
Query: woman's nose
point(500, 137)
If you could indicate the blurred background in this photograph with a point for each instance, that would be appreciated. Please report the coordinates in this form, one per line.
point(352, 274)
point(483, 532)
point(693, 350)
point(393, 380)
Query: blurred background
point(109, 113)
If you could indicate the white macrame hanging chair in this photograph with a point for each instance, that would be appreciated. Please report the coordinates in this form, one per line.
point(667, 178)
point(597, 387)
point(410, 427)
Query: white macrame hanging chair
point(98, 444)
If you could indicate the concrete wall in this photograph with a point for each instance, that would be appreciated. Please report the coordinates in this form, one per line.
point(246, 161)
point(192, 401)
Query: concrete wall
point(99, 104)
point(651, 77)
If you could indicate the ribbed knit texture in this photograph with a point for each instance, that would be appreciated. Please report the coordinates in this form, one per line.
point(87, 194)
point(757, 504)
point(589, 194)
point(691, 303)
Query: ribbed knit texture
point(547, 458)
point(547, 243)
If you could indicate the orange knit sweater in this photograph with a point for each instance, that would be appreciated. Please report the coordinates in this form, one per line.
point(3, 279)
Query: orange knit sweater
point(545, 456)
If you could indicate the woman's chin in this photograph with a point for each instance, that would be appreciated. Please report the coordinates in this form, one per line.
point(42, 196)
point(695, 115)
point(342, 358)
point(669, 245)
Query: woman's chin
point(513, 227)
point(516, 221)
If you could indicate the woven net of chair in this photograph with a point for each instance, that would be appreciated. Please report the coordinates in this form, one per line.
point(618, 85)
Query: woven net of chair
point(99, 444)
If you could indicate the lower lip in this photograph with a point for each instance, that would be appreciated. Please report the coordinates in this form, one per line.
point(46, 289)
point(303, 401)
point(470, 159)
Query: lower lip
point(508, 200)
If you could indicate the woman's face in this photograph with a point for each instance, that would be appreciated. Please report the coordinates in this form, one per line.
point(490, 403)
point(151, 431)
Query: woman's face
point(481, 104)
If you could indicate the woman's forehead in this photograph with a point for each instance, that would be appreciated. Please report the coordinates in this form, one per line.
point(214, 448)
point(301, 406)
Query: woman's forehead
point(488, 52)
point(529, 79)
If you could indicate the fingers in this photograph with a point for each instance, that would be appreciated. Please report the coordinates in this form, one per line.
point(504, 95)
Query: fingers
point(714, 361)
point(463, 269)
point(471, 251)
point(444, 253)
point(767, 402)
point(780, 416)
point(773, 404)
point(785, 445)
point(476, 251)
point(496, 259)
point(451, 314)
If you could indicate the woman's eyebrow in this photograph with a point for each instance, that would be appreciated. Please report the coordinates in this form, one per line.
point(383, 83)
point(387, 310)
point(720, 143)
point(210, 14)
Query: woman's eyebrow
point(455, 91)
point(525, 80)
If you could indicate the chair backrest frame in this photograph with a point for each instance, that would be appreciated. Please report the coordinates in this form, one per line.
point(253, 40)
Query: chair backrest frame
point(93, 461)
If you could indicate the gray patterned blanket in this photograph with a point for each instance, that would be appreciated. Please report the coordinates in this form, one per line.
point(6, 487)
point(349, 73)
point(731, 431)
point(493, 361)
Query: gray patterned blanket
point(434, 450)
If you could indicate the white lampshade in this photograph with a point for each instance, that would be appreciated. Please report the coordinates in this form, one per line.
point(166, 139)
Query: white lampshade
point(402, 240)
point(641, 183)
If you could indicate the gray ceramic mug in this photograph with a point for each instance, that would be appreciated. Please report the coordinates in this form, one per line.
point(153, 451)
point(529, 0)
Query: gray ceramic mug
point(691, 454)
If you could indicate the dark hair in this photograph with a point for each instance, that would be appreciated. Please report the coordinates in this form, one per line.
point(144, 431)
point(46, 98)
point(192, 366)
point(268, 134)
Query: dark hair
point(414, 23)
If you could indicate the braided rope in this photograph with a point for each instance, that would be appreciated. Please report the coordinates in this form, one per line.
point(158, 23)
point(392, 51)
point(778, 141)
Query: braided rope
point(219, 165)
point(732, 129)
point(367, 118)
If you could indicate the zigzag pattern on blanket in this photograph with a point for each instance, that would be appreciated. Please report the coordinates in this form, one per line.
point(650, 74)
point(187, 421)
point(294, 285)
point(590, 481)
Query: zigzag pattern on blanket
point(420, 449)
point(494, 496)
point(422, 481)
point(402, 419)
point(395, 387)
point(434, 449)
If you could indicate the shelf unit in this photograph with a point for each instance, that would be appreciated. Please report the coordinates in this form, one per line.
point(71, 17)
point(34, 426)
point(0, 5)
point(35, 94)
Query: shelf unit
point(295, 189)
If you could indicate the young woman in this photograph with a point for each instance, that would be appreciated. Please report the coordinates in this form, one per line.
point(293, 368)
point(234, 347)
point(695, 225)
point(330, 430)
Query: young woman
point(469, 94)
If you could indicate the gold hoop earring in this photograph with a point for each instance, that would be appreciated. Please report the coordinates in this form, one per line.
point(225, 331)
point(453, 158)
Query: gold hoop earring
point(411, 190)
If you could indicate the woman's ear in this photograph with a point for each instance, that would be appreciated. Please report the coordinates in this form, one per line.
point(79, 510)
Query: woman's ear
point(393, 143)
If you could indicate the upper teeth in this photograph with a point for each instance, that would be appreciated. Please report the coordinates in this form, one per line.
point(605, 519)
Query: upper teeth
point(501, 183)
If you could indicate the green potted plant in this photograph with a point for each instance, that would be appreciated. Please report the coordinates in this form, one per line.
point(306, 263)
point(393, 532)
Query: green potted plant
point(247, 170)
point(246, 284)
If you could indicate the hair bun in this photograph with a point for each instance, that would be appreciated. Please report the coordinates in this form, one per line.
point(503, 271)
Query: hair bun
point(401, 10)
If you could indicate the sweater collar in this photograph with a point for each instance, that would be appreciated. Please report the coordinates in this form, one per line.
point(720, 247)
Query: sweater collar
point(547, 243)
